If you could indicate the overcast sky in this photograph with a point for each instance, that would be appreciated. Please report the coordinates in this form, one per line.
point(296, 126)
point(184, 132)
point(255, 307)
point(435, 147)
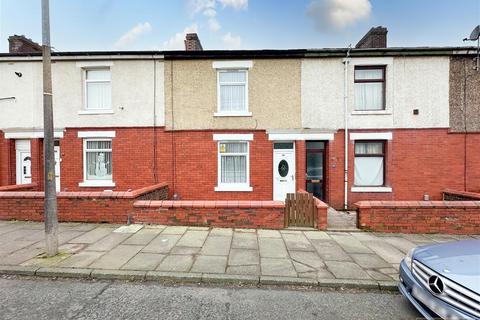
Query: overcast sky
point(81, 25)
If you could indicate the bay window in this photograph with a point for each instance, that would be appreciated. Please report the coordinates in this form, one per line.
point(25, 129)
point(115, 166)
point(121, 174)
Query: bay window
point(369, 163)
point(369, 88)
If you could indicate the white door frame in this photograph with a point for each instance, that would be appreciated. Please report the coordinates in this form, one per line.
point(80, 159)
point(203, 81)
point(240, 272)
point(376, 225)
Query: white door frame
point(22, 149)
point(292, 166)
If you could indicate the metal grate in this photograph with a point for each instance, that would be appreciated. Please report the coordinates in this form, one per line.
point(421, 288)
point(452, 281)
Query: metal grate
point(453, 293)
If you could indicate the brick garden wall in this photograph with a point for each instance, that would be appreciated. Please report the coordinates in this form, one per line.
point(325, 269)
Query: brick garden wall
point(20, 187)
point(455, 195)
point(112, 207)
point(240, 214)
point(451, 217)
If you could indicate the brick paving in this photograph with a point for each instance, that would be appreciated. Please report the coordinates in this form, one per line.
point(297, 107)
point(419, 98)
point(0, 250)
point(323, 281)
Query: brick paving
point(301, 254)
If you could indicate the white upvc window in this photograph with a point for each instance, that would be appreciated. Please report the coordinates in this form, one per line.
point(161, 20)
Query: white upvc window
point(97, 163)
point(232, 92)
point(233, 166)
point(369, 163)
point(370, 88)
point(98, 89)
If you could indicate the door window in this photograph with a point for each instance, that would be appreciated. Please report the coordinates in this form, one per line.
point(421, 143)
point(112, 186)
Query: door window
point(283, 168)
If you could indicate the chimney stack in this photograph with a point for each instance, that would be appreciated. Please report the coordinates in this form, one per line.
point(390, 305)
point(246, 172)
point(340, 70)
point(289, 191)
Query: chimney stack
point(21, 44)
point(192, 42)
point(374, 38)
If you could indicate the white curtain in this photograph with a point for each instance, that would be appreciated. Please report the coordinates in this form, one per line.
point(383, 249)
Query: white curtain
point(369, 171)
point(232, 97)
point(369, 95)
point(99, 95)
point(99, 160)
point(232, 91)
point(368, 148)
point(234, 169)
point(233, 166)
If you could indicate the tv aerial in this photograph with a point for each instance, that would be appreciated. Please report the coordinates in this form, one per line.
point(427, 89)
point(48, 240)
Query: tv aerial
point(475, 36)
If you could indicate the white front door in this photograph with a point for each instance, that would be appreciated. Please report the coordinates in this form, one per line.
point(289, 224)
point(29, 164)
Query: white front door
point(23, 162)
point(283, 170)
point(57, 167)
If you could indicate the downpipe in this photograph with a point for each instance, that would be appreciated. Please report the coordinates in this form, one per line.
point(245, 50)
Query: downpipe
point(346, 62)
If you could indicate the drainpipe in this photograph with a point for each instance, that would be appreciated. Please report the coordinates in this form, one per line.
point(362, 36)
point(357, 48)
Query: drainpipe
point(346, 62)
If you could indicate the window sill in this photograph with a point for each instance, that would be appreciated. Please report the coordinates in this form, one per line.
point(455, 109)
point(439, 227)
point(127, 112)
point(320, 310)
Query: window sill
point(232, 114)
point(99, 111)
point(371, 112)
point(226, 188)
point(97, 184)
point(372, 189)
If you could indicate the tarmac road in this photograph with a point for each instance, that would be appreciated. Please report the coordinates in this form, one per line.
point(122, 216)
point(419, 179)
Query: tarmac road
point(30, 298)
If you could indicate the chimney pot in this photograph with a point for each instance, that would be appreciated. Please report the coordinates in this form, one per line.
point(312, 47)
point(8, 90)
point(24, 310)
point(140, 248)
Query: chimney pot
point(374, 38)
point(192, 42)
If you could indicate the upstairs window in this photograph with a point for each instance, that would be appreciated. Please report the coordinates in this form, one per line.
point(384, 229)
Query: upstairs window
point(369, 163)
point(98, 91)
point(232, 92)
point(369, 88)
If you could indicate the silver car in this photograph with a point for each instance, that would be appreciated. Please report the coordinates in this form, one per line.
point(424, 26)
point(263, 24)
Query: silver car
point(443, 280)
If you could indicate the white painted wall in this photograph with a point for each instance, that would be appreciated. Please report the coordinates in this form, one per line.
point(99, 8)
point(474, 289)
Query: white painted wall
point(132, 95)
point(412, 83)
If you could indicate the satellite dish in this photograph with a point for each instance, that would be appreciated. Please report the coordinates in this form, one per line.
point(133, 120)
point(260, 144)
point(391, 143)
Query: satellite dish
point(475, 34)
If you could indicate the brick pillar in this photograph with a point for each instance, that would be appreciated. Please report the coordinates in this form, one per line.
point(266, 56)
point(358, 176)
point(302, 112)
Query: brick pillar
point(301, 162)
point(5, 160)
point(36, 150)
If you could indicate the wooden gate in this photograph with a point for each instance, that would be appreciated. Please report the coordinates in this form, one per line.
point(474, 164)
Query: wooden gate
point(300, 210)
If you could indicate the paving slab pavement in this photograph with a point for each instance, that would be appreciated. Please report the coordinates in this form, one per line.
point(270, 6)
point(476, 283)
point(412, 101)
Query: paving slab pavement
point(144, 261)
point(217, 246)
point(277, 267)
point(204, 254)
point(116, 257)
point(176, 263)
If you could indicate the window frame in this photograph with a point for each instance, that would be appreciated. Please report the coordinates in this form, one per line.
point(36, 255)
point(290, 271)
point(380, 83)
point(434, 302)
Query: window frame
point(86, 109)
point(376, 155)
point(96, 182)
point(233, 186)
point(383, 80)
point(222, 113)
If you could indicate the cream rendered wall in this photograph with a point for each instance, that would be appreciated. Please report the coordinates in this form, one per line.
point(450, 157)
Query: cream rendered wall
point(411, 83)
point(132, 94)
point(273, 95)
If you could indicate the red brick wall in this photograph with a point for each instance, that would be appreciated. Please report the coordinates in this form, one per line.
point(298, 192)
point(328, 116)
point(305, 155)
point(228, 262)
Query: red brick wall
point(132, 158)
point(452, 217)
point(7, 149)
point(36, 152)
point(20, 187)
point(418, 161)
point(112, 207)
point(196, 166)
point(239, 214)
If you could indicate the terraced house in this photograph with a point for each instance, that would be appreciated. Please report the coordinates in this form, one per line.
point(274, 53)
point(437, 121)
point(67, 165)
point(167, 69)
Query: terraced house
point(346, 124)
